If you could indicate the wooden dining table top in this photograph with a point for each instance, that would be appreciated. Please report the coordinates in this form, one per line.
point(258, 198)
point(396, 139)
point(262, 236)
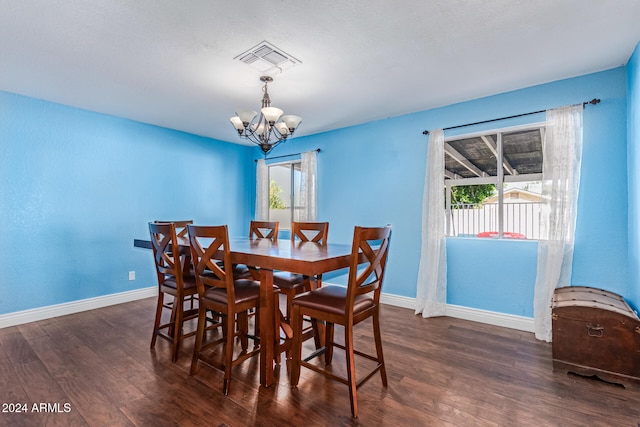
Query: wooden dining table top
point(307, 258)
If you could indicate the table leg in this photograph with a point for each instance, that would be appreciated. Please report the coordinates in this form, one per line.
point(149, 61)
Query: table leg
point(267, 333)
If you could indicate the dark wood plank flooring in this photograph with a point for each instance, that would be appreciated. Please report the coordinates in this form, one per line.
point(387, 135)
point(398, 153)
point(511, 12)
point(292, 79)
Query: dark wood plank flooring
point(442, 372)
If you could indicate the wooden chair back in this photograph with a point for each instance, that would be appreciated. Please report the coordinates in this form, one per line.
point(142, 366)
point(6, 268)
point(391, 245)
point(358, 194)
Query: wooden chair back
point(166, 252)
point(181, 234)
point(181, 226)
point(264, 230)
point(310, 232)
point(368, 262)
point(209, 245)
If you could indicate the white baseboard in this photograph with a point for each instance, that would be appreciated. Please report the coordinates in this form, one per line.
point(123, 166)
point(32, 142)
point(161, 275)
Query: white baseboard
point(466, 313)
point(474, 314)
point(511, 321)
point(398, 301)
point(32, 315)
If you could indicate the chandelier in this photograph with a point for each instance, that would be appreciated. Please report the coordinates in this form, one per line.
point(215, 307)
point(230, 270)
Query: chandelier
point(271, 127)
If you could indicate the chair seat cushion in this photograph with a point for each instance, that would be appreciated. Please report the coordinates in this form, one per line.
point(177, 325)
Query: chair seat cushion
point(332, 299)
point(286, 280)
point(189, 283)
point(241, 271)
point(245, 290)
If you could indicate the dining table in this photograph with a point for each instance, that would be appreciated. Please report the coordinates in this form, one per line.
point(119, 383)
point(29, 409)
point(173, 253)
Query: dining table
point(306, 258)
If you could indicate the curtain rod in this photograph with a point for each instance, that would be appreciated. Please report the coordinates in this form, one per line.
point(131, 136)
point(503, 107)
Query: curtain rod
point(594, 101)
point(286, 155)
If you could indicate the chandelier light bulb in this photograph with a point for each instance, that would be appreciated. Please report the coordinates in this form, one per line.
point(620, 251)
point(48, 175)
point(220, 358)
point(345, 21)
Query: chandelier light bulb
point(237, 123)
point(246, 116)
point(283, 129)
point(272, 114)
point(292, 122)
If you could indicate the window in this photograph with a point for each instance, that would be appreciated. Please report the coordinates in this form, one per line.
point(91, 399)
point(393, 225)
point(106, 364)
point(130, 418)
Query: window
point(287, 191)
point(284, 185)
point(483, 199)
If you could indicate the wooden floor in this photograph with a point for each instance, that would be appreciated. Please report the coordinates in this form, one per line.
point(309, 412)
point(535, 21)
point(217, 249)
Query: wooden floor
point(95, 368)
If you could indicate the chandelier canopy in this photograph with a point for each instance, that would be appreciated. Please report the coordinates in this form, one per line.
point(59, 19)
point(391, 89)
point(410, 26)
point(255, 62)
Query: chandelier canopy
point(270, 128)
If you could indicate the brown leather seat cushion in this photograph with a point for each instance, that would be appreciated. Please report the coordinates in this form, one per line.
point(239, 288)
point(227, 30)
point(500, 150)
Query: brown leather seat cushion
point(332, 299)
point(245, 290)
point(241, 271)
point(188, 281)
point(284, 279)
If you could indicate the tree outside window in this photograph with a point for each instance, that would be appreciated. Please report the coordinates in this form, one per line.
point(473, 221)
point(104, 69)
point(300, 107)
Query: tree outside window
point(275, 196)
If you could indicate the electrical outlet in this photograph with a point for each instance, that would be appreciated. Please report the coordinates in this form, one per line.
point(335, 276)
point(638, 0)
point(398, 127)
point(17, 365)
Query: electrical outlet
point(132, 275)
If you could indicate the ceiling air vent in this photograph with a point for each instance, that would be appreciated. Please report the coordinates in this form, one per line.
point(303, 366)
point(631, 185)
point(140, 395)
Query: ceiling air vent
point(267, 58)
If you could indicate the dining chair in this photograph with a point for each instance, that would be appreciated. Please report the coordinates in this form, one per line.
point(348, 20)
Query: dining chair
point(264, 230)
point(181, 227)
point(292, 284)
point(181, 234)
point(257, 230)
point(172, 280)
point(187, 269)
point(348, 306)
point(218, 291)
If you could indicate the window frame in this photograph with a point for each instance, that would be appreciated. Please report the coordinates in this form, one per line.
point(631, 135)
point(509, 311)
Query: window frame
point(497, 180)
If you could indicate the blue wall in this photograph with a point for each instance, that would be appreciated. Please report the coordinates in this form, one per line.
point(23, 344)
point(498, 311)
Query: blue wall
point(77, 187)
point(373, 174)
point(633, 132)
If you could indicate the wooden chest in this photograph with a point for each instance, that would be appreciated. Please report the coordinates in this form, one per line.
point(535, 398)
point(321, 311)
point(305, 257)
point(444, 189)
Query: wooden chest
point(595, 332)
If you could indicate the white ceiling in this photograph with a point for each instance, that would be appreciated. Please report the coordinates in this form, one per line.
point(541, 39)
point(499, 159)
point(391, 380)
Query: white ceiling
point(171, 62)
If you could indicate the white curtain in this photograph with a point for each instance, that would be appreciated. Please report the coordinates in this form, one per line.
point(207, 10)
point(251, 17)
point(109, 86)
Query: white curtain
point(562, 151)
point(262, 191)
point(307, 209)
point(431, 292)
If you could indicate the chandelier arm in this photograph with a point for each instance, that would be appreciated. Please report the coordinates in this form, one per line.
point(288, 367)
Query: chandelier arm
point(252, 137)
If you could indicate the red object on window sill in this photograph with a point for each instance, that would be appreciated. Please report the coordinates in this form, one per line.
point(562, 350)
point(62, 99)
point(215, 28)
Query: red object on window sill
point(505, 235)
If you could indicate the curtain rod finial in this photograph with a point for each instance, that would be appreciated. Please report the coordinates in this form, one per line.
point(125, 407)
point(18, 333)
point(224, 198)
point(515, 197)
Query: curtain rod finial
point(425, 132)
point(594, 101)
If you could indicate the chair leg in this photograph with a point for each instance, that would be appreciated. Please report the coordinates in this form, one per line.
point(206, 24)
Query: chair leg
point(224, 321)
point(158, 318)
point(171, 331)
point(284, 324)
point(296, 349)
point(378, 339)
point(328, 343)
point(243, 329)
point(228, 353)
point(178, 306)
point(317, 325)
point(256, 327)
point(351, 369)
point(290, 296)
point(278, 324)
point(202, 314)
point(314, 283)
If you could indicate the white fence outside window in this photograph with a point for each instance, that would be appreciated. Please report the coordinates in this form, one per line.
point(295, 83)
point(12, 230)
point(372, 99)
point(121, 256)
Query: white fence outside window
point(519, 219)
